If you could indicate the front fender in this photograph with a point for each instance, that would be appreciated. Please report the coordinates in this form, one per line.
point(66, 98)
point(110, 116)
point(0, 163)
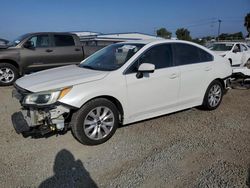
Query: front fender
point(82, 93)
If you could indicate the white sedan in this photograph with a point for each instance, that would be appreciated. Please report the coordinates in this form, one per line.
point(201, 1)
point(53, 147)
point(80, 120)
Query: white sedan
point(237, 53)
point(120, 84)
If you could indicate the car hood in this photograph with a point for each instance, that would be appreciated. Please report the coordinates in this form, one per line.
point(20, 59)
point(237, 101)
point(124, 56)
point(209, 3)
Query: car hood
point(59, 78)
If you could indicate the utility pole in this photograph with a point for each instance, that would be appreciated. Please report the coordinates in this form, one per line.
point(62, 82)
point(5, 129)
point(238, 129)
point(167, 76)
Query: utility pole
point(219, 29)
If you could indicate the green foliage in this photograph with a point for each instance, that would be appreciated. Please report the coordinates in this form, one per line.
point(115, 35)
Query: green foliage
point(183, 34)
point(247, 23)
point(233, 36)
point(164, 33)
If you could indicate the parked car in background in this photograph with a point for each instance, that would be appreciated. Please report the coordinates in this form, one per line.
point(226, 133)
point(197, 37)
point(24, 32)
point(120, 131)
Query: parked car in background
point(121, 84)
point(3, 42)
point(37, 51)
point(237, 53)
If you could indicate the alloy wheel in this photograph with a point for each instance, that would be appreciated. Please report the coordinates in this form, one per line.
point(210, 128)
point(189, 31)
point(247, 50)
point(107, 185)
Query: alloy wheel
point(6, 75)
point(214, 96)
point(98, 123)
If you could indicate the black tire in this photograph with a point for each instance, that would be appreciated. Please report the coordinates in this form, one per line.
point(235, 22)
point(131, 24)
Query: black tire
point(13, 71)
point(79, 117)
point(206, 103)
point(248, 64)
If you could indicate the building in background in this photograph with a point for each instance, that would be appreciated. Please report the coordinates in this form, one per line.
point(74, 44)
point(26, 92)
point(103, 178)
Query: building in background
point(98, 39)
point(93, 41)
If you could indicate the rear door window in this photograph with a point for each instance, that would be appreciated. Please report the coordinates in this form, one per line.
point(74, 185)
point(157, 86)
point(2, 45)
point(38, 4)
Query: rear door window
point(185, 54)
point(63, 40)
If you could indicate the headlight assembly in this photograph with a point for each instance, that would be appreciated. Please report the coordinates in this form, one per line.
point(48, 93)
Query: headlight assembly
point(46, 97)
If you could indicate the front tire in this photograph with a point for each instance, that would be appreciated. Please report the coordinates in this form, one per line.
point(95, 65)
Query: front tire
point(8, 74)
point(95, 122)
point(213, 96)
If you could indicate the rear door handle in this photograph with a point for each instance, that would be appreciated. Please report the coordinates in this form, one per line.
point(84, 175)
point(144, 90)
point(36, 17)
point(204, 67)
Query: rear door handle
point(208, 68)
point(77, 49)
point(49, 50)
point(173, 76)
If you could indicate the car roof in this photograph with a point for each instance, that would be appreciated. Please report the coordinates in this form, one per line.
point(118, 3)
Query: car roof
point(162, 41)
point(145, 41)
point(39, 33)
point(157, 41)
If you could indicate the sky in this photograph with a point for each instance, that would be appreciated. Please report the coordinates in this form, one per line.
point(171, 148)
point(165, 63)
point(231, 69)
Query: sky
point(110, 16)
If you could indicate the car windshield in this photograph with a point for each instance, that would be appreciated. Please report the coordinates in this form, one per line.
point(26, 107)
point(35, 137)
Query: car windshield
point(221, 47)
point(16, 41)
point(111, 57)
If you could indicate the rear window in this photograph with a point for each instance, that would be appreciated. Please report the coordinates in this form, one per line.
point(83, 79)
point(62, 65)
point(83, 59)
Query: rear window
point(64, 40)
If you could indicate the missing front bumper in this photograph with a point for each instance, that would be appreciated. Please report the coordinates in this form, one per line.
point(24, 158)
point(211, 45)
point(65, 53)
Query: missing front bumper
point(34, 122)
point(19, 123)
point(22, 127)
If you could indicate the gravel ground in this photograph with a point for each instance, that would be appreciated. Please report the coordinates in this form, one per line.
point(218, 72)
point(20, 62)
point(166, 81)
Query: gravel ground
point(191, 148)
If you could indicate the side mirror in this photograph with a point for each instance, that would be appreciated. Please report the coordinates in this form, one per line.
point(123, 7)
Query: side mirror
point(29, 45)
point(145, 68)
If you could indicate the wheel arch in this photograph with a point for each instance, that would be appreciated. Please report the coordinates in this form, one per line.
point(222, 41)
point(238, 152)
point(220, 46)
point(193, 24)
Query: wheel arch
point(222, 83)
point(114, 100)
point(220, 80)
point(12, 62)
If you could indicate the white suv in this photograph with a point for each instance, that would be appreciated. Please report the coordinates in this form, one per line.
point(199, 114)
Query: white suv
point(237, 53)
point(120, 84)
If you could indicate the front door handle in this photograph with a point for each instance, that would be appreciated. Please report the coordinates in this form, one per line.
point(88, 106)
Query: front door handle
point(77, 49)
point(49, 50)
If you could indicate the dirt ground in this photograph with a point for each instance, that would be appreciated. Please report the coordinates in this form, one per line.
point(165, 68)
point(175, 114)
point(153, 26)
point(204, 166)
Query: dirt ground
point(192, 148)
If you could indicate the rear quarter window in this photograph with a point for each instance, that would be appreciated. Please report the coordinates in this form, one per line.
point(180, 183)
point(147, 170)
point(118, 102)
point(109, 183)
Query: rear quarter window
point(205, 56)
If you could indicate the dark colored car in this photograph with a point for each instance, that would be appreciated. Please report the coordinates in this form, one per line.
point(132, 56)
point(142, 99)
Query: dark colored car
point(38, 51)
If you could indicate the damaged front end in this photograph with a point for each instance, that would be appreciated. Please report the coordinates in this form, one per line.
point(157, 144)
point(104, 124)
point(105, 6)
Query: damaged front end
point(40, 119)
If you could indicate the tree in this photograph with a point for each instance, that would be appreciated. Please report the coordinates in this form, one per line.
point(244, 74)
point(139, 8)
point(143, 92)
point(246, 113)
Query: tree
point(247, 23)
point(183, 34)
point(164, 33)
point(233, 36)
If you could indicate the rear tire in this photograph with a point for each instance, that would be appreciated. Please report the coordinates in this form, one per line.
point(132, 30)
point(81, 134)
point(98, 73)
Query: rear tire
point(95, 122)
point(8, 74)
point(213, 96)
